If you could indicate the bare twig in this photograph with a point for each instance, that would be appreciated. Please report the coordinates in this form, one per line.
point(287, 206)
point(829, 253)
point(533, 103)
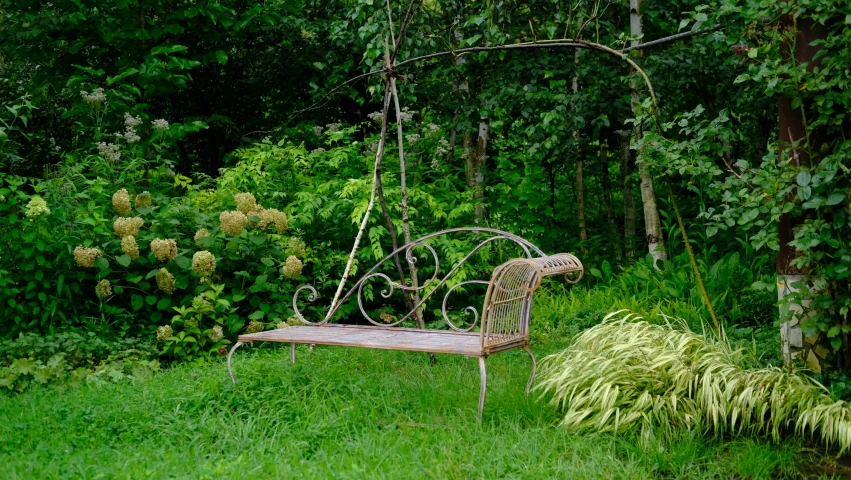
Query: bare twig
point(673, 38)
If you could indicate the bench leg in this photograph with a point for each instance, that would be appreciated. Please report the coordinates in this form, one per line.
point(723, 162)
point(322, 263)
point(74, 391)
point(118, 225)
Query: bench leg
point(534, 368)
point(230, 356)
point(483, 388)
point(292, 353)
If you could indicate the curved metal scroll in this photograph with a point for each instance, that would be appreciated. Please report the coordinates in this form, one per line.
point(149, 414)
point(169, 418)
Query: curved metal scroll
point(527, 247)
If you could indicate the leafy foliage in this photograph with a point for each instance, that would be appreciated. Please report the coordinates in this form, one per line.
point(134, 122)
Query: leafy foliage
point(629, 375)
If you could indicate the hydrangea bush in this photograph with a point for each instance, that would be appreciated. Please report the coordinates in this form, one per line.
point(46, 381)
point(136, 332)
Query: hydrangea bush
point(116, 235)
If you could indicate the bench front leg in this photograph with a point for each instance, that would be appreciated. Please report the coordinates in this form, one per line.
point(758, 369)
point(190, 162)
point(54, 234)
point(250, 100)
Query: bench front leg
point(534, 368)
point(230, 357)
point(484, 386)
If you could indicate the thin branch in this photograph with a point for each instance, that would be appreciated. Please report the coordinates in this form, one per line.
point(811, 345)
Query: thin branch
point(558, 43)
point(375, 180)
point(673, 38)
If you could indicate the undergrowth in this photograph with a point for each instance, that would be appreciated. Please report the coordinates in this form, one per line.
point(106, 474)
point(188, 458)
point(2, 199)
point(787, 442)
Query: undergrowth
point(341, 413)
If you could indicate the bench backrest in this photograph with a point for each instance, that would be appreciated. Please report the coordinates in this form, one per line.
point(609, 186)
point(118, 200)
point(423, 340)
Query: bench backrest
point(508, 301)
point(509, 316)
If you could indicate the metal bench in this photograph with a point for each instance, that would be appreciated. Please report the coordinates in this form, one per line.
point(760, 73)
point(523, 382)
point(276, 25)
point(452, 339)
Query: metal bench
point(504, 319)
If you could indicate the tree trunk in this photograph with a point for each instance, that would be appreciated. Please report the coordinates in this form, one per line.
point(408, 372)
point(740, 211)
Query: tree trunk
point(607, 201)
point(628, 197)
point(580, 181)
point(652, 223)
point(478, 168)
point(794, 135)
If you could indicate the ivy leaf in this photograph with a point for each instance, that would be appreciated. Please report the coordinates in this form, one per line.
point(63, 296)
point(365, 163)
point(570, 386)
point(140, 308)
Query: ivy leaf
point(835, 198)
point(814, 202)
point(124, 74)
point(475, 38)
point(167, 49)
point(124, 260)
point(183, 262)
point(163, 304)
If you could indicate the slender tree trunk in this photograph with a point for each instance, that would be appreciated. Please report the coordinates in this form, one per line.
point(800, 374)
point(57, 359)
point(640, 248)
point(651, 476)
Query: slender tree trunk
point(403, 186)
point(470, 157)
point(580, 180)
point(479, 172)
point(628, 197)
point(607, 201)
point(796, 143)
point(652, 223)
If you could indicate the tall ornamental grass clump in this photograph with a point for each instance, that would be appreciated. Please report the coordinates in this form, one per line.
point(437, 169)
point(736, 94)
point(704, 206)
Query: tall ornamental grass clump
point(627, 375)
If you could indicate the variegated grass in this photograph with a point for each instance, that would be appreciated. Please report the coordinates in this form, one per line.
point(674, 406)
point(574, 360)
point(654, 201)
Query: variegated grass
point(626, 375)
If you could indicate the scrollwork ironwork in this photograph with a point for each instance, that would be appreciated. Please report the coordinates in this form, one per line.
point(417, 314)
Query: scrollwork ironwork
point(428, 287)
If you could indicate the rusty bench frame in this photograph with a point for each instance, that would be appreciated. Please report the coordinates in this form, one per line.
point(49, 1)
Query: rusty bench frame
point(504, 320)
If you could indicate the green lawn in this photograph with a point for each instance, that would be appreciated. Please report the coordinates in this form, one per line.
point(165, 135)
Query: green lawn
point(339, 413)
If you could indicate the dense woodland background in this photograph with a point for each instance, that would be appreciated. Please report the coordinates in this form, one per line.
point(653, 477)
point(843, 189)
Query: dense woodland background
point(559, 145)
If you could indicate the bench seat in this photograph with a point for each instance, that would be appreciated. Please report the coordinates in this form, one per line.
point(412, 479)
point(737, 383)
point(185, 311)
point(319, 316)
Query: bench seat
point(393, 338)
point(384, 338)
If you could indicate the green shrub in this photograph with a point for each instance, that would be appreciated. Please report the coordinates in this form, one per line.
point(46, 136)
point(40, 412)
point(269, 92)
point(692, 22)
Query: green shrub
point(68, 359)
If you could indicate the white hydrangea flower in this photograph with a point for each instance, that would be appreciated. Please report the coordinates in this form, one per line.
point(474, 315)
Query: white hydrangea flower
point(160, 125)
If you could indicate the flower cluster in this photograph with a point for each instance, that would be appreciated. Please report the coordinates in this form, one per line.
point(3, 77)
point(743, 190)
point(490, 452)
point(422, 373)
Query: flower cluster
point(216, 333)
point(164, 250)
point(386, 317)
point(233, 222)
point(202, 233)
point(109, 151)
point(317, 130)
point(255, 326)
point(333, 127)
point(94, 99)
point(130, 247)
point(160, 125)
point(442, 147)
point(127, 226)
point(121, 202)
point(376, 117)
point(165, 281)
point(412, 138)
point(164, 333)
point(372, 147)
point(292, 268)
point(406, 115)
point(317, 151)
point(245, 203)
point(2, 198)
point(293, 321)
point(271, 216)
point(297, 247)
point(143, 200)
point(86, 257)
point(37, 207)
point(203, 263)
point(103, 289)
point(431, 129)
point(130, 124)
